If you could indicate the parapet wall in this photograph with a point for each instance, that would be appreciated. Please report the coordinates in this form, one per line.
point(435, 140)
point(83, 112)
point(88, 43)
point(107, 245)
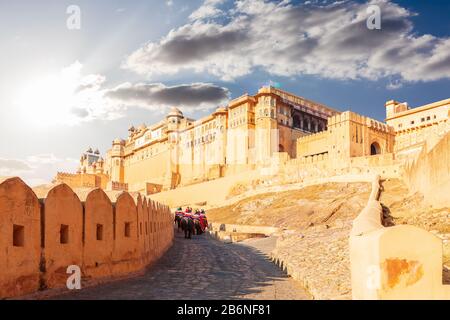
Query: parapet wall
point(400, 262)
point(41, 238)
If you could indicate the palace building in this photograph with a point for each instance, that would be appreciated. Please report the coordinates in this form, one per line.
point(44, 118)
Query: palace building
point(245, 135)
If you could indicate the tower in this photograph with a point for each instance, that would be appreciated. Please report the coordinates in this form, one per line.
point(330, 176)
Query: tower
point(393, 107)
point(174, 119)
point(266, 137)
point(117, 159)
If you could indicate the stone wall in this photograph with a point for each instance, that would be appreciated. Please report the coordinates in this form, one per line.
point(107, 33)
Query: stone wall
point(281, 171)
point(106, 236)
point(429, 174)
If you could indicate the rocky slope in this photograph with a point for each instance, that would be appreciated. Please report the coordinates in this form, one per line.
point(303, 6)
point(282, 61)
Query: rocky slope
point(317, 222)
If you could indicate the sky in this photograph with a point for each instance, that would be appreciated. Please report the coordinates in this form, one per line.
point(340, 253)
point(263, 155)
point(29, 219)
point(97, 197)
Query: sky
point(77, 74)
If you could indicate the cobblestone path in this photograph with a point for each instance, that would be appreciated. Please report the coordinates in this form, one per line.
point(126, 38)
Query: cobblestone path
point(202, 268)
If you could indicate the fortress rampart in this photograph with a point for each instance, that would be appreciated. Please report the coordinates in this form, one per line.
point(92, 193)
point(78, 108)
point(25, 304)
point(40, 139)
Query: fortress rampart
point(429, 173)
point(105, 234)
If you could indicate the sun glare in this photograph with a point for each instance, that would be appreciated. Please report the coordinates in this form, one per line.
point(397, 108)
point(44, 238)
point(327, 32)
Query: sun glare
point(58, 99)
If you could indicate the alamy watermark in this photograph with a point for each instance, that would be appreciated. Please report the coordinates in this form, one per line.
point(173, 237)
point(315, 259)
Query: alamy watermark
point(374, 19)
point(74, 20)
point(74, 280)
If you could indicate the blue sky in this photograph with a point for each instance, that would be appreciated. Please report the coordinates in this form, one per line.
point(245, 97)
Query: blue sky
point(63, 90)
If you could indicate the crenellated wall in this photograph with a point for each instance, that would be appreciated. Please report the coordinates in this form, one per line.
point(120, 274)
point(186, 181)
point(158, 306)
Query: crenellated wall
point(106, 235)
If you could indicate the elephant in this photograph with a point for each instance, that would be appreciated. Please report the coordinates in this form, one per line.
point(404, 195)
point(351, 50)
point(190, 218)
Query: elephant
point(187, 225)
point(177, 220)
point(198, 227)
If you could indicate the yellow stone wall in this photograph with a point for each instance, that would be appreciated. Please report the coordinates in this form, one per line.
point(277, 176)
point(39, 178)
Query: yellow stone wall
point(416, 126)
point(349, 135)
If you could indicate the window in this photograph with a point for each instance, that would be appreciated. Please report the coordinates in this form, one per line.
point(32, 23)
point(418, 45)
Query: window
point(18, 236)
point(127, 231)
point(99, 232)
point(375, 149)
point(412, 122)
point(64, 234)
point(428, 118)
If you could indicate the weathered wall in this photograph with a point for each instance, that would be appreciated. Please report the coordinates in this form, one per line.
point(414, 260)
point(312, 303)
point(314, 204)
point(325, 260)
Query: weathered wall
point(430, 174)
point(100, 233)
point(63, 233)
point(20, 238)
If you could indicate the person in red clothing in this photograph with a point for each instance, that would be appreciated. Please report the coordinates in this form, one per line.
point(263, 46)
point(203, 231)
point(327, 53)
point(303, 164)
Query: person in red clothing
point(203, 220)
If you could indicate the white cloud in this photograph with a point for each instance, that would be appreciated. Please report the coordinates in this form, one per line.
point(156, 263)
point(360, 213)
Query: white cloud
point(209, 9)
point(37, 169)
point(9, 167)
point(71, 98)
point(66, 98)
point(329, 40)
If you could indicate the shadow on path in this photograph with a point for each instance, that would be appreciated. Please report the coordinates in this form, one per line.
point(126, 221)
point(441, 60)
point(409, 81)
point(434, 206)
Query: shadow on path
point(202, 268)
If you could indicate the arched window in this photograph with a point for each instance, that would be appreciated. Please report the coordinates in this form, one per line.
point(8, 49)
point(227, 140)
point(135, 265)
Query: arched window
point(375, 149)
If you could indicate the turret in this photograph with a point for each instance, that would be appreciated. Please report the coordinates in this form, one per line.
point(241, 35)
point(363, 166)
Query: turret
point(393, 107)
point(117, 160)
point(266, 139)
point(174, 119)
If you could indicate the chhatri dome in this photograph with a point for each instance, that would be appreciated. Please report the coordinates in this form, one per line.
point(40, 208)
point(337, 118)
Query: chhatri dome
point(175, 112)
point(220, 110)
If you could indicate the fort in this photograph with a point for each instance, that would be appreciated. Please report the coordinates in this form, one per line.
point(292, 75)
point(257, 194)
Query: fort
point(253, 133)
point(272, 141)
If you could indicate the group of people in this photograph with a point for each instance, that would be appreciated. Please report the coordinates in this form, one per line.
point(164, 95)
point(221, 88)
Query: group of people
point(190, 221)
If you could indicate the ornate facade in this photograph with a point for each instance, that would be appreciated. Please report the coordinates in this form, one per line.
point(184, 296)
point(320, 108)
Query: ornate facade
point(245, 135)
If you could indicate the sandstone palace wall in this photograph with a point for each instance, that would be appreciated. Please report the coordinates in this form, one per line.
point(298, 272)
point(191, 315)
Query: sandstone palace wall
point(105, 234)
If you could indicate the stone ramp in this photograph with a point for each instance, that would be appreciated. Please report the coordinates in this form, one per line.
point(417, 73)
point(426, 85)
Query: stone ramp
point(205, 269)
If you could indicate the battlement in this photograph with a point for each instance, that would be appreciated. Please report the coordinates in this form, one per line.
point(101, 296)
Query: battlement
point(91, 245)
point(360, 119)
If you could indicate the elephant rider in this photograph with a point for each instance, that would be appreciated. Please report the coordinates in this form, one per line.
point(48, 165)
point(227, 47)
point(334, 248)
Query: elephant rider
point(188, 213)
point(203, 220)
point(196, 215)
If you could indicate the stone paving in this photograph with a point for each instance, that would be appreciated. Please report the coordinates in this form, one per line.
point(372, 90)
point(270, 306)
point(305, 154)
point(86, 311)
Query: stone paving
point(203, 268)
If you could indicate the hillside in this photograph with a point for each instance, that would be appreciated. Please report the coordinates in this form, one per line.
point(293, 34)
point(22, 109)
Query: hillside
point(319, 219)
point(298, 209)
